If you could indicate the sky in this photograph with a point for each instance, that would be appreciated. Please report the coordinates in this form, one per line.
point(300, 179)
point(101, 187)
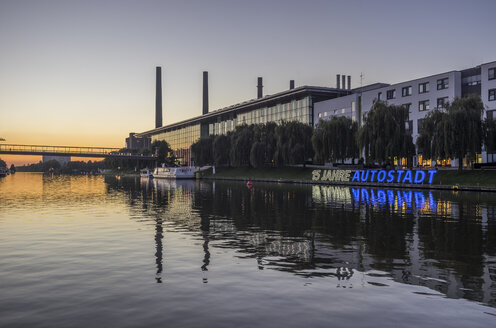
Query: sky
point(82, 73)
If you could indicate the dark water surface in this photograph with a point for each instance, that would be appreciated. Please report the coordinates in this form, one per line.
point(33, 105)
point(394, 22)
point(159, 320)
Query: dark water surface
point(78, 251)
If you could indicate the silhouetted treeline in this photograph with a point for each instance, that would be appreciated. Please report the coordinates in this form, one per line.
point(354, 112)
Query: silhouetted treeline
point(76, 167)
point(257, 145)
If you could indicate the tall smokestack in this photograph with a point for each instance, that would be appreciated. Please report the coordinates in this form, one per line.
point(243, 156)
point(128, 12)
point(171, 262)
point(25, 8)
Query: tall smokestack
point(291, 84)
point(158, 97)
point(343, 81)
point(259, 88)
point(338, 81)
point(205, 92)
point(349, 82)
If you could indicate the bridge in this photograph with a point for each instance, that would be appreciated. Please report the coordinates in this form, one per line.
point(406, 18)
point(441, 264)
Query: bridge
point(101, 152)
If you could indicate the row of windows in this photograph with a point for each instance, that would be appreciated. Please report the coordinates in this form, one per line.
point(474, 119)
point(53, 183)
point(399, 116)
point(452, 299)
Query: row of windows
point(296, 110)
point(422, 88)
point(425, 104)
point(334, 112)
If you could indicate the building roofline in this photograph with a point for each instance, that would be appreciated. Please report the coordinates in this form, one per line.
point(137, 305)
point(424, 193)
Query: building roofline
point(302, 90)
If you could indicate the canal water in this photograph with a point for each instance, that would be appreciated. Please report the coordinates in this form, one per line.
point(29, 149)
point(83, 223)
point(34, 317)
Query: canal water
point(80, 251)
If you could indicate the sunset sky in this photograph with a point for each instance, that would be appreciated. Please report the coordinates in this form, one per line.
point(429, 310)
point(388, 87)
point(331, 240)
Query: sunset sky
point(82, 73)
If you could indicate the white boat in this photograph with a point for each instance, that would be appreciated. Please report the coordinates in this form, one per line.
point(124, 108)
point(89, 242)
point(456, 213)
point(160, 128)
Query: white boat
point(146, 173)
point(186, 172)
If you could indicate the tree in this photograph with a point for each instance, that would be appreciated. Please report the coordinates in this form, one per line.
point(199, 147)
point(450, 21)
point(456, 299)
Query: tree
point(456, 132)
point(294, 143)
point(433, 132)
point(3, 164)
point(335, 139)
point(383, 135)
point(257, 154)
point(12, 168)
point(490, 135)
point(465, 128)
point(221, 150)
point(241, 143)
point(164, 152)
point(202, 151)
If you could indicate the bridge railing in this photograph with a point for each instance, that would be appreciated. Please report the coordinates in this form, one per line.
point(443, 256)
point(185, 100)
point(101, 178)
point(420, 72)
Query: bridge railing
point(66, 150)
point(57, 149)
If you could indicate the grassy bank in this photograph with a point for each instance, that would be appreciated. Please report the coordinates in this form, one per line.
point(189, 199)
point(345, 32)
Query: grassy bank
point(286, 173)
point(472, 178)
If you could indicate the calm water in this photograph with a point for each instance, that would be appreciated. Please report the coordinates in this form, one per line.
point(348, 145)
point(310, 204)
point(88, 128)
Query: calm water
point(78, 251)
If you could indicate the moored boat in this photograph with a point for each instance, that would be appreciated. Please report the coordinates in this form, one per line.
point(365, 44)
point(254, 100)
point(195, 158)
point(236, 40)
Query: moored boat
point(146, 173)
point(186, 172)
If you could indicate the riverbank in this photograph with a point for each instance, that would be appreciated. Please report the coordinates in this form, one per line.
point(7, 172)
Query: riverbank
point(474, 180)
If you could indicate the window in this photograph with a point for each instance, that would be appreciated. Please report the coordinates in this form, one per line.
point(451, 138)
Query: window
point(423, 105)
point(442, 84)
point(423, 87)
point(492, 73)
point(441, 102)
point(408, 106)
point(379, 96)
point(491, 114)
point(406, 91)
point(492, 95)
point(320, 115)
point(391, 94)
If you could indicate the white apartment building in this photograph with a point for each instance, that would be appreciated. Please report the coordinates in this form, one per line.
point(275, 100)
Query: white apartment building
point(420, 96)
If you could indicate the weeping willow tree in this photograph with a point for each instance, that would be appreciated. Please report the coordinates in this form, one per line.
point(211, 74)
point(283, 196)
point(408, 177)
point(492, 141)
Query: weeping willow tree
point(335, 139)
point(490, 135)
point(432, 141)
point(457, 132)
point(384, 136)
point(294, 143)
point(465, 131)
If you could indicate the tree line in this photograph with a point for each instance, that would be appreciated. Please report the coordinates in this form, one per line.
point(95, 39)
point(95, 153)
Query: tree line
point(257, 145)
point(458, 131)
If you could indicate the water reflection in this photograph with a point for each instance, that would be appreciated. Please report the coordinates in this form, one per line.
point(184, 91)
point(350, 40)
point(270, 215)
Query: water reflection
point(442, 240)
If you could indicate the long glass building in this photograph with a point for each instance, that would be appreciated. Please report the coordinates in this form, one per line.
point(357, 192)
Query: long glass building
point(291, 105)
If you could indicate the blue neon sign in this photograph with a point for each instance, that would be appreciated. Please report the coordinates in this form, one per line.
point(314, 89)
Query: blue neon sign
point(394, 176)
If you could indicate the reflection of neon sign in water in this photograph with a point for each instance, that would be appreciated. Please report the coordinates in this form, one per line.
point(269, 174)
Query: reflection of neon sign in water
point(396, 198)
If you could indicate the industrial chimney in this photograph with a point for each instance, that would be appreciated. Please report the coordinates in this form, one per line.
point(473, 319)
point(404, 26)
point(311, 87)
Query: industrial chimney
point(158, 97)
point(338, 81)
point(291, 84)
point(259, 88)
point(349, 82)
point(205, 92)
point(343, 81)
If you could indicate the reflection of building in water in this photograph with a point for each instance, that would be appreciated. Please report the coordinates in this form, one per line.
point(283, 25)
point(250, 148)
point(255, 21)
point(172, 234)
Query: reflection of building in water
point(400, 234)
point(276, 245)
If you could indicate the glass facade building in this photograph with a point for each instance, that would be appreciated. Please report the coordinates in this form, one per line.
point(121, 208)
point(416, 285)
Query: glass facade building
point(291, 105)
point(180, 140)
